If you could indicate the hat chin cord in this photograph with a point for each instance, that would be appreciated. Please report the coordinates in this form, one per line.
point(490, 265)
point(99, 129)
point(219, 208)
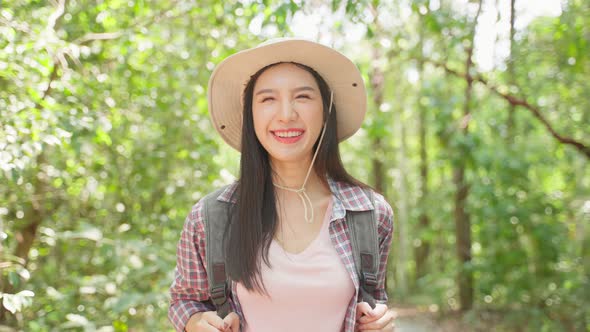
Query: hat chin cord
point(301, 192)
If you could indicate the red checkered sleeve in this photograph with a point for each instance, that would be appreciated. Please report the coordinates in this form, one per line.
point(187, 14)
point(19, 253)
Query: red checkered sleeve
point(190, 289)
point(384, 216)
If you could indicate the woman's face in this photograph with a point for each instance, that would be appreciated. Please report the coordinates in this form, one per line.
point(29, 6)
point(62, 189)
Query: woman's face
point(287, 112)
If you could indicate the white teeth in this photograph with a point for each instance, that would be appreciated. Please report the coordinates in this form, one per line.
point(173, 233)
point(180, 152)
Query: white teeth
point(288, 133)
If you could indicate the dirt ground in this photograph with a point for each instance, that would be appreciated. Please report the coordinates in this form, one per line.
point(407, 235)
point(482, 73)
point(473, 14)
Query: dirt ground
point(415, 319)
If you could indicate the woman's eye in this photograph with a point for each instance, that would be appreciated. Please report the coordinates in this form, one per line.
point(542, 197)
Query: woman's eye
point(265, 99)
point(304, 96)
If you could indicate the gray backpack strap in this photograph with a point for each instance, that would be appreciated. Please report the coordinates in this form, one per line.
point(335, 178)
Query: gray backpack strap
point(216, 217)
point(365, 249)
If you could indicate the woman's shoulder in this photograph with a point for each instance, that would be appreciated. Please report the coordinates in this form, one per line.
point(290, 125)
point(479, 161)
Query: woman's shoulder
point(383, 210)
point(357, 195)
point(194, 219)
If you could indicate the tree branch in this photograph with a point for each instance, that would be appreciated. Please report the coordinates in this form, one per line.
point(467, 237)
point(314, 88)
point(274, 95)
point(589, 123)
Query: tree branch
point(516, 101)
point(52, 77)
point(56, 15)
point(91, 36)
point(19, 26)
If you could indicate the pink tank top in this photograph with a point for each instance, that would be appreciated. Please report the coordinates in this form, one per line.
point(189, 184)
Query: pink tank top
point(308, 291)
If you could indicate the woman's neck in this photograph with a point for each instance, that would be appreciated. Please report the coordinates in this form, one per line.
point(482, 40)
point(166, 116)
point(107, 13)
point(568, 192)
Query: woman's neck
point(292, 174)
point(296, 181)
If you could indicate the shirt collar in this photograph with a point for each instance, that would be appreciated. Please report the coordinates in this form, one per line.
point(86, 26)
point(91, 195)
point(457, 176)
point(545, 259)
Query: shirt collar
point(348, 197)
point(227, 194)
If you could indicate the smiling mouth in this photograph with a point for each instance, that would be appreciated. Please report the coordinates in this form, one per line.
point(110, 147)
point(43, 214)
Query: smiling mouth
point(288, 136)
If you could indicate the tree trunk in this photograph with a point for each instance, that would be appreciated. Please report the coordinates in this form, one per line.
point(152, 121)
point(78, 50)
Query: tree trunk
point(402, 246)
point(511, 75)
point(462, 220)
point(377, 81)
point(422, 250)
point(378, 169)
point(463, 235)
point(26, 235)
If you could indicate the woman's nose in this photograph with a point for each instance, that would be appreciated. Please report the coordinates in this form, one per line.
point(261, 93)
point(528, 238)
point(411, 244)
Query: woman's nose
point(287, 111)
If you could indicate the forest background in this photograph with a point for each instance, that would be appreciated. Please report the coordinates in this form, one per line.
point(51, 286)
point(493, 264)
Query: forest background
point(478, 133)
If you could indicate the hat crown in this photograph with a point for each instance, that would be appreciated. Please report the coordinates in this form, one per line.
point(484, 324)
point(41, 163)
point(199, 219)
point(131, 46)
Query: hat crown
point(280, 40)
point(227, 82)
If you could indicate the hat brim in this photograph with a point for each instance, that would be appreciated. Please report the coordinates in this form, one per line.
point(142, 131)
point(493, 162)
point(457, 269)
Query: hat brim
point(228, 80)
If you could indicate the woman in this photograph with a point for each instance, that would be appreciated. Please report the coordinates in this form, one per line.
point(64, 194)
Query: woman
point(285, 105)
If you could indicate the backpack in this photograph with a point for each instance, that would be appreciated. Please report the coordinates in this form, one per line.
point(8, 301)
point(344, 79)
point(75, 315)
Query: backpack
point(363, 236)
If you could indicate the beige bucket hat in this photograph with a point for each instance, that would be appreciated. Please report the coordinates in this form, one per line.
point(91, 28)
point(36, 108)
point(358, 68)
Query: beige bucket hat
point(228, 80)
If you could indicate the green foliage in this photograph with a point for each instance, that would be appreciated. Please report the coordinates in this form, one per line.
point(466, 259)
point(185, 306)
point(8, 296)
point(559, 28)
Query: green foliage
point(105, 143)
point(526, 192)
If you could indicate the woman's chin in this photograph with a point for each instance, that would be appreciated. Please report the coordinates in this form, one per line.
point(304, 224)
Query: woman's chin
point(289, 156)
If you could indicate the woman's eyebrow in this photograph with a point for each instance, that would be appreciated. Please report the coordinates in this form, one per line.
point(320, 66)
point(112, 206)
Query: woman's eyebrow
point(264, 91)
point(298, 89)
point(304, 88)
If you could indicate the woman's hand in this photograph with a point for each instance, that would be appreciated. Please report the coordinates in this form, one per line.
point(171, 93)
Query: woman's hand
point(380, 319)
point(208, 321)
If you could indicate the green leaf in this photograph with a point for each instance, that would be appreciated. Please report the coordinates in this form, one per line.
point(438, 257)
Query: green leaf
point(14, 279)
point(103, 137)
point(16, 302)
point(370, 33)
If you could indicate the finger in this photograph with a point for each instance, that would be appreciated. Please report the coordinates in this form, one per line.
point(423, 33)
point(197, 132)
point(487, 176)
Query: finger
point(232, 322)
point(362, 308)
point(378, 312)
point(202, 326)
point(379, 324)
point(210, 318)
point(390, 327)
point(207, 328)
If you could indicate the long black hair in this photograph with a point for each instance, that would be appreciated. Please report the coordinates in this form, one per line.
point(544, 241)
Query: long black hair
point(254, 216)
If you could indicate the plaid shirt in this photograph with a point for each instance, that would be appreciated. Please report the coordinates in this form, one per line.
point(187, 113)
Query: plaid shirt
point(190, 290)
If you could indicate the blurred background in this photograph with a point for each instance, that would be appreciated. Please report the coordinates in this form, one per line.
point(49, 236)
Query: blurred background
point(478, 134)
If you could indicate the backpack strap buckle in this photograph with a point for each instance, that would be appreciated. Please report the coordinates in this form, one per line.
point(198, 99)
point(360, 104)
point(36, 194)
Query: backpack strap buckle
point(218, 287)
point(219, 294)
point(370, 279)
